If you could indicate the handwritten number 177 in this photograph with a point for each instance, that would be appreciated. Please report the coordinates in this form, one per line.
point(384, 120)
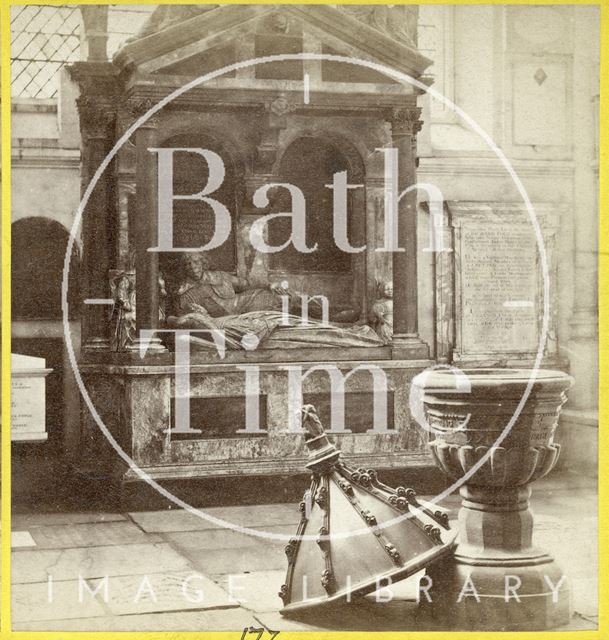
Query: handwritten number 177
point(248, 631)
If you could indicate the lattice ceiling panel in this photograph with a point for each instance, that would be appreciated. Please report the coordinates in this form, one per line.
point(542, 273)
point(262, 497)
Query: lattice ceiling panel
point(43, 39)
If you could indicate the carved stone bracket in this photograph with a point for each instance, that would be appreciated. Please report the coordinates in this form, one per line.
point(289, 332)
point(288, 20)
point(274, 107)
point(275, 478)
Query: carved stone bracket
point(266, 155)
point(276, 112)
point(281, 106)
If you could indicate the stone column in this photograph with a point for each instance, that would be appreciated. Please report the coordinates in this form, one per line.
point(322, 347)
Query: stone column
point(94, 39)
point(145, 230)
point(96, 119)
point(406, 343)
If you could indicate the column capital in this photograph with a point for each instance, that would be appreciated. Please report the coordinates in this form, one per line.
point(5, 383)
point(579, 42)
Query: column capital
point(135, 107)
point(405, 120)
point(95, 116)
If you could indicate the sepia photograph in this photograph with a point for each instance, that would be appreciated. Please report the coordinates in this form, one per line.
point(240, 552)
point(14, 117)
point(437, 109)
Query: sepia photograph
point(304, 317)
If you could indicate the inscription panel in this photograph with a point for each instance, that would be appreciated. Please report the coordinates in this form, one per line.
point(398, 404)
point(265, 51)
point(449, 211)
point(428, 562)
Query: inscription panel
point(499, 288)
point(490, 287)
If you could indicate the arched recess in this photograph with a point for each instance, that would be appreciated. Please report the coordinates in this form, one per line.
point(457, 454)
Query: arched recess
point(38, 253)
point(194, 220)
point(310, 161)
point(340, 139)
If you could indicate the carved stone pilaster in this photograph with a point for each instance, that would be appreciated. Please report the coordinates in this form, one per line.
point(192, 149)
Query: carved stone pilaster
point(146, 229)
point(126, 201)
point(96, 115)
point(252, 183)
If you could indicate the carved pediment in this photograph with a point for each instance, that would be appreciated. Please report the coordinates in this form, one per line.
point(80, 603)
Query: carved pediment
point(183, 40)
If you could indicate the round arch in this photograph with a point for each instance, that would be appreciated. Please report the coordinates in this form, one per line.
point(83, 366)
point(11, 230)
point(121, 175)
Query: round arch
point(194, 221)
point(175, 125)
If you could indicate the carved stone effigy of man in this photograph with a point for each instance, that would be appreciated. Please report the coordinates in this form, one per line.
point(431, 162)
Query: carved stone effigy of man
point(221, 293)
point(217, 300)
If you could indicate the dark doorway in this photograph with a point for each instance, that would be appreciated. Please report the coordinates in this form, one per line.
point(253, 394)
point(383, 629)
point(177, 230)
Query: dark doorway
point(38, 254)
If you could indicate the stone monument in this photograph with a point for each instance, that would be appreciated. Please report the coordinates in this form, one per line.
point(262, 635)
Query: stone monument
point(265, 129)
point(28, 403)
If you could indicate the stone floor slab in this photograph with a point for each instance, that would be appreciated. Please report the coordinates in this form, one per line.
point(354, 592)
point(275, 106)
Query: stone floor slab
point(31, 602)
point(211, 539)
point(258, 590)
point(67, 564)
point(89, 535)
point(21, 539)
point(159, 592)
point(27, 520)
point(556, 535)
point(240, 553)
point(346, 617)
point(170, 545)
point(245, 516)
point(214, 620)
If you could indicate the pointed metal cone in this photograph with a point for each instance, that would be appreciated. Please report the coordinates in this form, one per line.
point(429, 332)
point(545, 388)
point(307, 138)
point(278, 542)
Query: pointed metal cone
point(353, 551)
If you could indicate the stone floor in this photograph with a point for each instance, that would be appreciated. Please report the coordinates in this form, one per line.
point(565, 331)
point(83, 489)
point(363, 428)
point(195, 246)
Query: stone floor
point(170, 570)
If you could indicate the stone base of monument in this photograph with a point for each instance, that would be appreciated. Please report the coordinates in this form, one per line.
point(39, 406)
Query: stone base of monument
point(497, 580)
point(135, 399)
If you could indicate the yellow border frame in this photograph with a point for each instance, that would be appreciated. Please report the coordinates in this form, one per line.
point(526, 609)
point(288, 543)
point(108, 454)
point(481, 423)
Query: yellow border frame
point(603, 266)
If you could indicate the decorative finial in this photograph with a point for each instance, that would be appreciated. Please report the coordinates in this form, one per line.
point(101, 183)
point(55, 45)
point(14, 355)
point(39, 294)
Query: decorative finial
point(323, 454)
